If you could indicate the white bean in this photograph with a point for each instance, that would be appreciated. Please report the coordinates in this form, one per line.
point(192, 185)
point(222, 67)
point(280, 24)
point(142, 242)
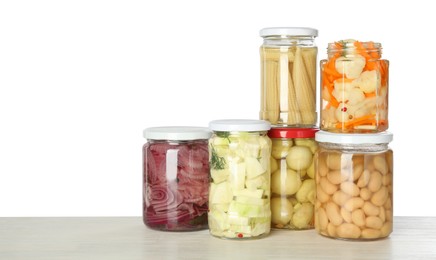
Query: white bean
point(327, 186)
point(340, 197)
point(370, 209)
point(373, 222)
point(346, 215)
point(322, 196)
point(379, 198)
point(386, 229)
point(321, 166)
point(370, 233)
point(334, 161)
point(350, 188)
point(333, 213)
point(358, 217)
point(364, 178)
point(331, 230)
point(375, 181)
point(380, 164)
point(336, 176)
point(348, 230)
point(365, 194)
point(357, 171)
point(322, 220)
point(354, 203)
point(382, 214)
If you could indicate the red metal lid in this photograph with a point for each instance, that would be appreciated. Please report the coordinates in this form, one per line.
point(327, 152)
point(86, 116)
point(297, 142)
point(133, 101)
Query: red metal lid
point(282, 132)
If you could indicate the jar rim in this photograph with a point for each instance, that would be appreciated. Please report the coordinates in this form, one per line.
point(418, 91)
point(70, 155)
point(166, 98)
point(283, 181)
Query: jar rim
point(352, 138)
point(350, 44)
point(177, 133)
point(292, 31)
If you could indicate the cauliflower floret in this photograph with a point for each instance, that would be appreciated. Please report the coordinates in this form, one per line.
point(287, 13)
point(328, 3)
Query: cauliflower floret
point(340, 95)
point(342, 114)
point(329, 115)
point(363, 111)
point(350, 66)
point(355, 96)
point(325, 94)
point(351, 95)
point(368, 81)
point(341, 84)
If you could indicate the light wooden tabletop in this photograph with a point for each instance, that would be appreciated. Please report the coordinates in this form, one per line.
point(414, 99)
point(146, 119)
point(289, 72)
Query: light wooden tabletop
point(127, 238)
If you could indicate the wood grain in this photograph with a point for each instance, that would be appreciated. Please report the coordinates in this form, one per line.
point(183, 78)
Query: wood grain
point(127, 238)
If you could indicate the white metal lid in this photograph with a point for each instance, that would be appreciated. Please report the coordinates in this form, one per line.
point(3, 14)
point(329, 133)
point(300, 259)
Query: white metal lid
point(177, 133)
point(237, 125)
point(295, 31)
point(339, 138)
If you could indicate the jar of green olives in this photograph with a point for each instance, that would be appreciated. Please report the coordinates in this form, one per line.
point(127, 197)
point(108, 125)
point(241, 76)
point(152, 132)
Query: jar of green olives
point(292, 180)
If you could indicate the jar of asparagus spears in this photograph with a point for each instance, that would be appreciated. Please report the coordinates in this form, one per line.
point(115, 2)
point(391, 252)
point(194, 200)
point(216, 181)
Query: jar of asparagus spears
point(288, 76)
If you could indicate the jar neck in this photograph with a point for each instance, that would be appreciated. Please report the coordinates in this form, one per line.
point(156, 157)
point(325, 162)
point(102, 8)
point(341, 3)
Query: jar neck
point(349, 48)
point(355, 147)
point(289, 40)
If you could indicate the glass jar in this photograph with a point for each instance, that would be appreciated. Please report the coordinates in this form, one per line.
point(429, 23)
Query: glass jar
point(354, 178)
point(354, 88)
point(292, 179)
point(176, 178)
point(288, 76)
point(239, 198)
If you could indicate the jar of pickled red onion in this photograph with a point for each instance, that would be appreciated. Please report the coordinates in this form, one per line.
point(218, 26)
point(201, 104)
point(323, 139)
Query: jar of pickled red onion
point(176, 178)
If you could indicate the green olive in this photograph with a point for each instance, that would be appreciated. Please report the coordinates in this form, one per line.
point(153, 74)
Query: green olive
point(280, 147)
point(281, 211)
point(285, 182)
point(299, 158)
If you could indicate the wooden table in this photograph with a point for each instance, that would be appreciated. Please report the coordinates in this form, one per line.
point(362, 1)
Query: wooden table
point(127, 238)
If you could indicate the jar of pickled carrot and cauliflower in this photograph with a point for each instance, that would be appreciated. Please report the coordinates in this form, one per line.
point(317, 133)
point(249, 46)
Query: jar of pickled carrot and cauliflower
point(354, 88)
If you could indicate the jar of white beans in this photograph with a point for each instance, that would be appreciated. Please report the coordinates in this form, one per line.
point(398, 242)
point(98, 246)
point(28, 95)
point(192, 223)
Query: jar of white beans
point(354, 185)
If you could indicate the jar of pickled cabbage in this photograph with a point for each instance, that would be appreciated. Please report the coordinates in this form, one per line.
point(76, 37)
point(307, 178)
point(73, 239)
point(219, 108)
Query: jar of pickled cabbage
point(354, 178)
point(354, 88)
point(292, 179)
point(288, 76)
point(239, 198)
point(176, 178)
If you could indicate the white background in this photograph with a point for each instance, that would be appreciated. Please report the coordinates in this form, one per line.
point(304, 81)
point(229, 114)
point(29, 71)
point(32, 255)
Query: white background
point(80, 80)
